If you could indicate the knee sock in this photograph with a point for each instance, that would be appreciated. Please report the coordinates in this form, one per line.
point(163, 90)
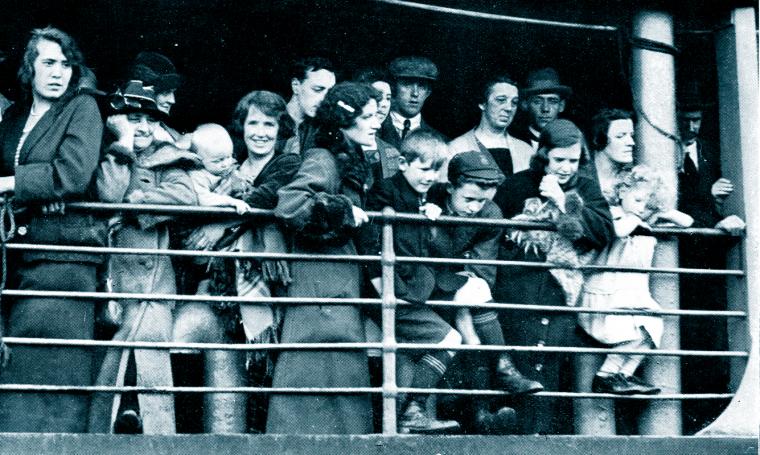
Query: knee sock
point(488, 328)
point(428, 371)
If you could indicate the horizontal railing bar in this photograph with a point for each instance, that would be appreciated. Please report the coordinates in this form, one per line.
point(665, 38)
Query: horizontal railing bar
point(355, 301)
point(355, 258)
point(353, 346)
point(332, 390)
point(192, 253)
point(545, 265)
point(395, 217)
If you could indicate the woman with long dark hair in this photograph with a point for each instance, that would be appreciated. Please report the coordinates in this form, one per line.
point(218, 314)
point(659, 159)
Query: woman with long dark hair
point(322, 207)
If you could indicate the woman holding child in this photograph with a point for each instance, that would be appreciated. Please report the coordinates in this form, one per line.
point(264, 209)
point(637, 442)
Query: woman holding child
point(322, 207)
point(257, 126)
point(552, 188)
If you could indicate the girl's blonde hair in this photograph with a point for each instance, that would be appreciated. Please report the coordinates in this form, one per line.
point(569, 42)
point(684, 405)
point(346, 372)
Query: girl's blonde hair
point(644, 177)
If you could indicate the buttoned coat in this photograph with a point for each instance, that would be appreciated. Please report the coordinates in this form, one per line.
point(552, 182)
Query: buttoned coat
point(533, 286)
point(316, 207)
point(56, 163)
point(156, 176)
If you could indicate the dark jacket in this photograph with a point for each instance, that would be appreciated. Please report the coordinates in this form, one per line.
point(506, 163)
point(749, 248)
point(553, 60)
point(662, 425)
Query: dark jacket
point(279, 171)
point(695, 187)
point(463, 242)
point(413, 282)
point(389, 134)
point(56, 163)
point(532, 286)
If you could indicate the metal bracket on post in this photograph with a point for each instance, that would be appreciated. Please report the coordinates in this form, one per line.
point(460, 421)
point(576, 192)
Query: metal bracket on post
point(388, 261)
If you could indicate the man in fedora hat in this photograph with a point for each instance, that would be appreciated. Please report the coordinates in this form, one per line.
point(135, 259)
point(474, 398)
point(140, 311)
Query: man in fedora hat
point(542, 98)
point(412, 79)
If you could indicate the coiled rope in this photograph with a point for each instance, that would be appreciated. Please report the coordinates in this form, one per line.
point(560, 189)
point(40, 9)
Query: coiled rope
point(6, 213)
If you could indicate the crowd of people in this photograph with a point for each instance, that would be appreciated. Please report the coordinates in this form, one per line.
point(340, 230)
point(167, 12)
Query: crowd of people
point(321, 161)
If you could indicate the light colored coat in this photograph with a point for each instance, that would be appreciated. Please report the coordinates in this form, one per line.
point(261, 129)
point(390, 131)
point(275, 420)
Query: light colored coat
point(156, 176)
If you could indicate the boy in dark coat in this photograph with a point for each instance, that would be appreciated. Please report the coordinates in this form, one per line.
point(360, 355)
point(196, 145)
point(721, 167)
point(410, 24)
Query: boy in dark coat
point(422, 154)
point(474, 176)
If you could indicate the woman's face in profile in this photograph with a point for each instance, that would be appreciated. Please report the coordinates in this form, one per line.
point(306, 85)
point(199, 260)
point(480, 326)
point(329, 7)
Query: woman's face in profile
point(365, 126)
point(620, 141)
point(563, 162)
point(384, 105)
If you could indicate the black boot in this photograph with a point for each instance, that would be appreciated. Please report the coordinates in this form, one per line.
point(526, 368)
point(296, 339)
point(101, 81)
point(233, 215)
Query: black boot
point(500, 422)
point(128, 422)
point(510, 380)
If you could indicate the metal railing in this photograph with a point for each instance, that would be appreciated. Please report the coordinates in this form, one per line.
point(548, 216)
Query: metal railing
point(387, 302)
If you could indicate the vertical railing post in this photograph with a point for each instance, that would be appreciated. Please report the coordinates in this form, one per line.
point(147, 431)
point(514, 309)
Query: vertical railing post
point(390, 390)
point(653, 81)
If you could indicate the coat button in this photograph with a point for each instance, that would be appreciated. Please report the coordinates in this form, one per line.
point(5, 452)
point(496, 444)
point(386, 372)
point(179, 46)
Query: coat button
point(21, 230)
point(539, 366)
point(544, 321)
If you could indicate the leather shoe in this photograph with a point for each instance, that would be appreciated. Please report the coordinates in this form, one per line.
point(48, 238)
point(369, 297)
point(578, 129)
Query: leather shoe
point(621, 385)
point(512, 381)
point(499, 422)
point(414, 420)
point(128, 422)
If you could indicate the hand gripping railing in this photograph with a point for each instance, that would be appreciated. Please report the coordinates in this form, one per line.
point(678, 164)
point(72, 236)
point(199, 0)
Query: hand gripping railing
point(388, 303)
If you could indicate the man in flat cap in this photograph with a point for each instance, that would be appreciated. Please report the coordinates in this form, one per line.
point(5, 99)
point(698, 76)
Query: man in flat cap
point(543, 98)
point(411, 82)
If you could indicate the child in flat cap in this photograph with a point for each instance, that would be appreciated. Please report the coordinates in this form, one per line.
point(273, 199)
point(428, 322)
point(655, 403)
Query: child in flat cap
point(474, 177)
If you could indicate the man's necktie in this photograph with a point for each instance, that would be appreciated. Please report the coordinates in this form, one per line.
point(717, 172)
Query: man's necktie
point(407, 126)
point(689, 167)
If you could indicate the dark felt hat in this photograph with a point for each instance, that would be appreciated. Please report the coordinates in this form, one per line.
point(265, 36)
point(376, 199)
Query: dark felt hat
point(545, 80)
point(155, 69)
point(413, 68)
point(135, 96)
point(690, 98)
point(474, 164)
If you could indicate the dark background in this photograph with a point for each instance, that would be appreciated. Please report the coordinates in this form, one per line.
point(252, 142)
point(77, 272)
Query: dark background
point(226, 48)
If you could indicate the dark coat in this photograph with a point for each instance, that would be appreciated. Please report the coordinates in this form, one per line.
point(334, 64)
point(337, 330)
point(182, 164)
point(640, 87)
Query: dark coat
point(317, 209)
point(695, 188)
point(537, 287)
point(389, 134)
point(56, 163)
point(413, 282)
point(464, 242)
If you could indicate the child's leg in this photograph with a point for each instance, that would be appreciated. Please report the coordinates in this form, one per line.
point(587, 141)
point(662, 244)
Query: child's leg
point(614, 363)
point(634, 360)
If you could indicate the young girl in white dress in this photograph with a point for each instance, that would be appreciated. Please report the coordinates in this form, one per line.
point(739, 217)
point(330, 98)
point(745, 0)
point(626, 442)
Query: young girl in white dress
point(638, 201)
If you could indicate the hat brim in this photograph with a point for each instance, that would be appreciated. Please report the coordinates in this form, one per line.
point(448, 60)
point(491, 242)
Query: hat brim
point(484, 174)
point(562, 90)
point(414, 76)
point(157, 115)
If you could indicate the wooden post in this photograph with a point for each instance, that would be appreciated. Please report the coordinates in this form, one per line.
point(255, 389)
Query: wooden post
point(653, 77)
point(737, 59)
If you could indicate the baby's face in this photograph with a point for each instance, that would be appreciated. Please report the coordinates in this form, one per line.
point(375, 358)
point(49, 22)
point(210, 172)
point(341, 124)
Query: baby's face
point(217, 161)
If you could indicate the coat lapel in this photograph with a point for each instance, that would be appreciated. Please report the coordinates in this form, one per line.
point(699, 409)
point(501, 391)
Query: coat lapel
point(38, 132)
